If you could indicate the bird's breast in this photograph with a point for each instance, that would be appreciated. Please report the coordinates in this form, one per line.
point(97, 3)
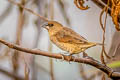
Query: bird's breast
point(71, 48)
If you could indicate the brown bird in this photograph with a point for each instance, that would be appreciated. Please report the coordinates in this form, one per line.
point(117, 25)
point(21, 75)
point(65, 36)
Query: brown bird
point(66, 39)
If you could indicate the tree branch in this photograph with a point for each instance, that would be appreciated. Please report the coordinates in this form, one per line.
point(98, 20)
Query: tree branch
point(87, 60)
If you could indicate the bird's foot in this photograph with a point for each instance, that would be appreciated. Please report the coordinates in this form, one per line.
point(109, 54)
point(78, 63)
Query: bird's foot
point(70, 58)
point(62, 57)
point(62, 54)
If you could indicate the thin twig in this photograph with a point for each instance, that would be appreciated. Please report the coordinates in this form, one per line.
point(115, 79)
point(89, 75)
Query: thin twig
point(6, 12)
point(15, 56)
point(63, 10)
point(38, 22)
point(101, 5)
point(51, 5)
point(26, 70)
point(103, 41)
point(104, 29)
point(82, 72)
point(103, 77)
point(11, 75)
point(29, 10)
point(112, 74)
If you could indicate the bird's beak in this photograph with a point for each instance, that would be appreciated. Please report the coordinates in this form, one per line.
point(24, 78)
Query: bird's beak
point(45, 25)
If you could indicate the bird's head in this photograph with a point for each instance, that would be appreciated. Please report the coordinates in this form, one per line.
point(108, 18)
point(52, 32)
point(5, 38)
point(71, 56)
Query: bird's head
point(52, 26)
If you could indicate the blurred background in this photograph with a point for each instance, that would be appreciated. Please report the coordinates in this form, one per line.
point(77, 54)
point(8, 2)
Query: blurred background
point(23, 28)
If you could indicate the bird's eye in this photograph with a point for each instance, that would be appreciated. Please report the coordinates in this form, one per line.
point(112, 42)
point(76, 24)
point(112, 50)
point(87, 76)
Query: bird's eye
point(50, 25)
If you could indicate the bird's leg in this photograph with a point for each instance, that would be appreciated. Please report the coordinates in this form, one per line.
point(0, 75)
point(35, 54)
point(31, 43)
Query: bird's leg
point(70, 57)
point(84, 54)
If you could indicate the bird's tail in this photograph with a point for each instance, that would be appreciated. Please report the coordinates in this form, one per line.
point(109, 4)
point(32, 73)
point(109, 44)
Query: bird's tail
point(95, 44)
point(91, 44)
point(101, 44)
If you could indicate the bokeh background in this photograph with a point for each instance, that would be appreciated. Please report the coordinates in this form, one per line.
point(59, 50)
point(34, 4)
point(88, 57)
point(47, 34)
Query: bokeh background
point(84, 22)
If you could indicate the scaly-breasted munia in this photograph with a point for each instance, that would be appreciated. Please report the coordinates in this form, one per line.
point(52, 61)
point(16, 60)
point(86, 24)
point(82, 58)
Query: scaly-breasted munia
point(66, 39)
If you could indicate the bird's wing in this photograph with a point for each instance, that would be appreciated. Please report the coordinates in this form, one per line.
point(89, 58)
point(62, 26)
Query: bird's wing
point(71, 32)
point(68, 36)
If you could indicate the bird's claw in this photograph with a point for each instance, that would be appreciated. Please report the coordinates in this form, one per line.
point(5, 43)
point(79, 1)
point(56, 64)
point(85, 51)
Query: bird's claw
point(70, 57)
point(62, 57)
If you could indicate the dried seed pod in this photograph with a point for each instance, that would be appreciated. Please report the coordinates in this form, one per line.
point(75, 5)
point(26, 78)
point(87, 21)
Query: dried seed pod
point(79, 4)
point(115, 12)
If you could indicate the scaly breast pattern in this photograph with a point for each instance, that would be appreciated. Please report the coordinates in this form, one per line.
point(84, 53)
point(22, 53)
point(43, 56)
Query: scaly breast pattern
point(71, 48)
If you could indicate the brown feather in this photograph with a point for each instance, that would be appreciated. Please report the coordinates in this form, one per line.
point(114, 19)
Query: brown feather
point(73, 33)
point(67, 35)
